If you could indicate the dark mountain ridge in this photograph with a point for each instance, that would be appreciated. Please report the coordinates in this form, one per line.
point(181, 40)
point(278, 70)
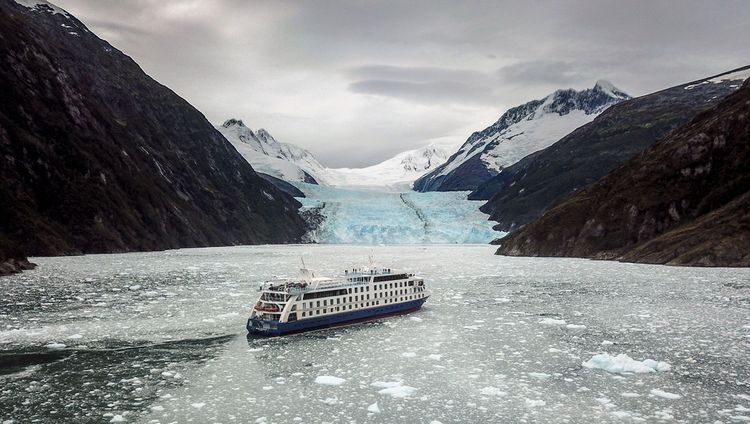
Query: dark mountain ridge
point(684, 201)
point(99, 157)
point(523, 191)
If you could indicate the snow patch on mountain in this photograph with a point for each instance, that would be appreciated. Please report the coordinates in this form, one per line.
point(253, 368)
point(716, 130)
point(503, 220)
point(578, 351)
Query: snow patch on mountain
point(41, 5)
point(738, 75)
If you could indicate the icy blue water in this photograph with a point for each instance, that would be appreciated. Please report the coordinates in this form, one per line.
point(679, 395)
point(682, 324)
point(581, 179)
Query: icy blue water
point(159, 338)
point(374, 217)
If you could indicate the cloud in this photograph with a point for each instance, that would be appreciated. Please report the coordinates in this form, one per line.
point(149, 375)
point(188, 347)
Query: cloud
point(429, 85)
point(546, 72)
point(355, 82)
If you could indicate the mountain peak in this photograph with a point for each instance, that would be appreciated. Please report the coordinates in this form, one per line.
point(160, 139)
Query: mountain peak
point(232, 122)
point(610, 89)
point(41, 5)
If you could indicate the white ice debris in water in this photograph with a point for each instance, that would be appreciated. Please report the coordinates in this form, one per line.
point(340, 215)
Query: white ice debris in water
point(328, 380)
point(533, 403)
point(198, 405)
point(575, 326)
point(373, 408)
point(117, 419)
point(394, 388)
point(552, 321)
point(665, 395)
point(539, 375)
point(623, 363)
point(55, 345)
point(416, 319)
point(492, 391)
point(607, 343)
point(408, 354)
point(434, 356)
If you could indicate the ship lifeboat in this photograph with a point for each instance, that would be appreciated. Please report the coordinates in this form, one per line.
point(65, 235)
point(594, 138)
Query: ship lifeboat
point(267, 308)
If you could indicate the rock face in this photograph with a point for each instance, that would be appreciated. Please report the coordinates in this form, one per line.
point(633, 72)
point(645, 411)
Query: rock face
point(523, 191)
point(519, 132)
point(98, 157)
point(684, 201)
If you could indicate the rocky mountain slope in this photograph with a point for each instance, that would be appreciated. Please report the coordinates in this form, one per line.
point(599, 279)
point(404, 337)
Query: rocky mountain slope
point(684, 201)
point(519, 132)
point(281, 160)
point(99, 157)
point(525, 190)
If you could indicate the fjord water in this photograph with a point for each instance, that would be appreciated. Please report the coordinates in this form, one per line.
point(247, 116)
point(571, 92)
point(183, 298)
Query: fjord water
point(159, 337)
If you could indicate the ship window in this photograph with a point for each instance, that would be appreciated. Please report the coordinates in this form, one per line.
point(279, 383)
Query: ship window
point(338, 308)
point(303, 313)
point(368, 288)
point(325, 310)
point(325, 302)
point(294, 307)
point(338, 301)
point(318, 302)
point(349, 290)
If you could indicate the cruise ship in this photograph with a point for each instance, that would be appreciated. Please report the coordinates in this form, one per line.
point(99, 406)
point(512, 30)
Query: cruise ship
point(310, 302)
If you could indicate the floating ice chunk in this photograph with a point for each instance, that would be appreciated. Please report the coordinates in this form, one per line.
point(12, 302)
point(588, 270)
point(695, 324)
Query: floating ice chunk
point(399, 391)
point(665, 395)
point(575, 326)
point(539, 375)
point(416, 319)
point(492, 391)
point(408, 354)
point(55, 345)
point(157, 408)
point(74, 337)
point(623, 363)
point(373, 408)
point(434, 357)
point(552, 321)
point(328, 380)
point(135, 287)
point(630, 395)
point(117, 419)
point(198, 405)
point(331, 400)
point(533, 403)
point(607, 343)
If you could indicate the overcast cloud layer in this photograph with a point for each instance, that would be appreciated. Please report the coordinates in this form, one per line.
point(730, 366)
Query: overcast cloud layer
point(356, 82)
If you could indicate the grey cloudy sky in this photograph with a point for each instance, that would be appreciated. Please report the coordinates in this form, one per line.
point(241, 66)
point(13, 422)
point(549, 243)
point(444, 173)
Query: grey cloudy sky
point(356, 82)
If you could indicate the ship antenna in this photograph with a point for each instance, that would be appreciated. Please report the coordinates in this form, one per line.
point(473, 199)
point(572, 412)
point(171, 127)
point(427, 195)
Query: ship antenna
point(303, 262)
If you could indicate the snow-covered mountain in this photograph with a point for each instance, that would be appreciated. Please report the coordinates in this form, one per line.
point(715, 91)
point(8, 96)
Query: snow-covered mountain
point(395, 174)
point(293, 163)
point(268, 156)
point(519, 132)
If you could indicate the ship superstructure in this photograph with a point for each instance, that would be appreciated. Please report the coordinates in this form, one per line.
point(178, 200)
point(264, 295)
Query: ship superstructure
point(311, 302)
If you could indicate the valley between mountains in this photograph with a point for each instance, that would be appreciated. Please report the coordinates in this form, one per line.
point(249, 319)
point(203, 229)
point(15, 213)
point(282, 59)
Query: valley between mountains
point(99, 157)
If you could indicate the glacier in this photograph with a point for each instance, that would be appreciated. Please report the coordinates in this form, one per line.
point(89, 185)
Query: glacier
point(351, 216)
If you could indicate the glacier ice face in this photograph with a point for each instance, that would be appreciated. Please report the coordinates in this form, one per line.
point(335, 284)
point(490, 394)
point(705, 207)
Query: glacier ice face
point(373, 217)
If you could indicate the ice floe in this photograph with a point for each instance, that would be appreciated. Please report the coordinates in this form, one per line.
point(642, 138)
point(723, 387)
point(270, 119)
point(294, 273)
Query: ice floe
point(329, 380)
point(665, 395)
point(622, 364)
point(552, 321)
